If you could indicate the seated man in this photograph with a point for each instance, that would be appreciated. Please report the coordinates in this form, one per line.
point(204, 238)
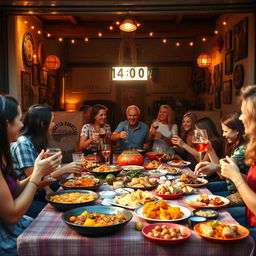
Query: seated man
point(132, 133)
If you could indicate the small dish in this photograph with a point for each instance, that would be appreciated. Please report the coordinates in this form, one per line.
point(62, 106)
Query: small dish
point(121, 191)
point(207, 213)
point(157, 173)
point(179, 163)
point(133, 168)
point(107, 194)
point(168, 197)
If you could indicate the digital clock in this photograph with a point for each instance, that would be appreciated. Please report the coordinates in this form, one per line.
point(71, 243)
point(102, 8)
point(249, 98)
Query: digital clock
point(129, 73)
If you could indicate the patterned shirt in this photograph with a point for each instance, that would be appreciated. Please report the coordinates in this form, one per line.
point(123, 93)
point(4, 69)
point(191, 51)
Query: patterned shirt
point(23, 155)
point(88, 130)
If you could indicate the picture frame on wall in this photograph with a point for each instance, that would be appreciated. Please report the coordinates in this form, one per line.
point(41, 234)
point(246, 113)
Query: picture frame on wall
point(229, 63)
point(241, 39)
point(228, 40)
point(26, 91)
point(43, 77)
point(217, 75)
point(227, 92)
point(35, 75)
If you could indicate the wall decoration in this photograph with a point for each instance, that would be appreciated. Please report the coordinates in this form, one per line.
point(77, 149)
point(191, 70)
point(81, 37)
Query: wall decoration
point(35, 74)
point(238, 78)
point(27, 49)
point(229, 63)
point(228, 40)
point(26, 90)
point(241, 39)
point(43, 77)
point(40, 53)
point(217, 76)
point(227, 92)
point(217, 99)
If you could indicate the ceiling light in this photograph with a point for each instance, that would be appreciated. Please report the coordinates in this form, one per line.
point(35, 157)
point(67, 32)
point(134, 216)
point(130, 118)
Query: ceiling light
point(204, 60)
point(128, 25)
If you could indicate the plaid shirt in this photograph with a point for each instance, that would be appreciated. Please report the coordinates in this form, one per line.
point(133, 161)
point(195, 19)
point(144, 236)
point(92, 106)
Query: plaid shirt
point(23, 155)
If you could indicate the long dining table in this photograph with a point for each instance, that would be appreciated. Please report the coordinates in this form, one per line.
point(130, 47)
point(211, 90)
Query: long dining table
point(49, 235)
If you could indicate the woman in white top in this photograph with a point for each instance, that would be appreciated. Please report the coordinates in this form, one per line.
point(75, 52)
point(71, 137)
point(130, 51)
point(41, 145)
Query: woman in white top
point(163, 129)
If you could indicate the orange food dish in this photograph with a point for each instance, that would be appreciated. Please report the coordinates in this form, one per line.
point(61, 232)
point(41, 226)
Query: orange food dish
point(82, 182)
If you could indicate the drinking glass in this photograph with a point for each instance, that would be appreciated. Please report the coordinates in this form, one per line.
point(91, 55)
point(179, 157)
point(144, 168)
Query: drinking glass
point(126, 129)
point(174, 133)
point(200, 142)
point(159, 153)
point(79, 158)
point(105, 150)
point(51, 152)
point(102, 133)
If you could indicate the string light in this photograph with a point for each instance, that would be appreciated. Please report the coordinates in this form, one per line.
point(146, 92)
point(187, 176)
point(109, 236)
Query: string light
point(99, 34)
point(164, 40)
point(151, 34)
point(204, 39)
point(73, 41)
point(224, 23)
point(25, 21)
point(216, 32)
point(177, 44)
point(48, 35)
point(86, 39)
point(191, 43)
point(39, 32)
point(60, 39)
point(117, 23)
point(138, 24)
point(111, 28)
point(32, 27)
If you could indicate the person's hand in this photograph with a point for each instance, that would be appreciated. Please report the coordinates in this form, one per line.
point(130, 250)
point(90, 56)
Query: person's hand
point(206, 168)
point(159, 135)
point(209, 147)
point(176, 140)
point(123, 134)
point(95, 136)
point(44, 166)
point(229, 169)
point(73, 167)
point(152, 132)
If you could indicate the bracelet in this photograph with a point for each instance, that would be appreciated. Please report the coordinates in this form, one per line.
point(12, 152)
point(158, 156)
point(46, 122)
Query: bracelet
point(239, 184)
point(34, 183)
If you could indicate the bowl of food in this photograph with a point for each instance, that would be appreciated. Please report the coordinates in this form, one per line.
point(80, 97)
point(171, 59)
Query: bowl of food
point(106, 169)
point(107, 194)
point(68, 199)
point(207, 213)
point(133, 168)
point(166, 233)
point(88, 182)
point(152, 165)
point(157, 173)
point(97, 220)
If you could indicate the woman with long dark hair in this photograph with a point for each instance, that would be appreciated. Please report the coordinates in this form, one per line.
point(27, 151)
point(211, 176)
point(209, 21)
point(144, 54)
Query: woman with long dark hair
point(17, 195)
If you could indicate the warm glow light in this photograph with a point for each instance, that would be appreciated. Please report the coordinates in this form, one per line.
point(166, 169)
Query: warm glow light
point(204, 39)
point(224, 23)
point(216, 32)
point(99, 34)
point(32, 27)
point(128, 25)
point(30, 12)
point(164, 41)
point(52, 62)
point(60, 39)
point(204, 61)
point(39, 32)
point(151, 34)
point(86, 39)
point(191, 43)
point(48, 35)
point(73, 41)
point(34, 56)
point(177, 44)
point(111, 28)
point(25, 21)
point(138, 24)
point(70, 107)
point(117, 23)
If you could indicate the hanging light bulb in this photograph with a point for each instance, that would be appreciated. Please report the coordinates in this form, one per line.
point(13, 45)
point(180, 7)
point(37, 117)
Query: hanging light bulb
point(128, 25)
point(204, 60)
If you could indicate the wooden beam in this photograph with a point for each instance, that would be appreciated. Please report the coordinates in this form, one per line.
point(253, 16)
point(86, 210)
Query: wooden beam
point(73, 20)
point(178, 19)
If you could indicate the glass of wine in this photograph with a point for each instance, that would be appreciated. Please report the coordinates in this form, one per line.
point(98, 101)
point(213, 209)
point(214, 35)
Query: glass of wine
point(159, 153)
point(51, 152)
point(105, 150)
point(200, 142)
point(79, 158)
point(102, 133)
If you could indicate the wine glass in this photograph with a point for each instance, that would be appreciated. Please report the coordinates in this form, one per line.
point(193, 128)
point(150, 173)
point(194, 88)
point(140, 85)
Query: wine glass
point(79, 158)
point(159, 153)
point(174, 133)
point(105, 150)
point(200, 142)
point(102, 134)
point(51, 152)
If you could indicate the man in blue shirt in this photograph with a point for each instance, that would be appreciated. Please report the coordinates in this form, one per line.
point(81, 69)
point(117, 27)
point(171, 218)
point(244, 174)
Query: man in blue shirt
point(132, 133)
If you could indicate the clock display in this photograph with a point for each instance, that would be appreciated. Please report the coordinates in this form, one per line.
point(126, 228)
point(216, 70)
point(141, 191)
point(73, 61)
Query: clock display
point(129, 73)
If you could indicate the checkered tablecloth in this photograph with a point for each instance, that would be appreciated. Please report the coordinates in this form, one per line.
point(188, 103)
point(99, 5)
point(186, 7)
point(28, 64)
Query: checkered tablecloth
point(49, 235)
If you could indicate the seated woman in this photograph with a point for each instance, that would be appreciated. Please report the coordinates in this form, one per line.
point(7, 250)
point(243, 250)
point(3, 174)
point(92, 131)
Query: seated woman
point(245, 185)
point(233, 132)
point(17, 195)
point(38, 125)
point(163, 129)
point(89, 137)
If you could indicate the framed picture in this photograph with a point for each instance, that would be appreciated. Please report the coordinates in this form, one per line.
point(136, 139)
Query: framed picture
point(228, 40)
point(43, 77)
point(229, 63)
point(35, 74)
point(43, 95)
point(241, 39)
point(27, 49)
point(217, 76)
point(26, 90)
point(217, 99)
point(227, 92)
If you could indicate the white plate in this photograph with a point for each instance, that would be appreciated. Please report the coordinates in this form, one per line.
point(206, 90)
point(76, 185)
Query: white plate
point(133, 168)
point(172, 163)
point(189, 200)
point(186, 211)
point(157, 173)
point(123, 206)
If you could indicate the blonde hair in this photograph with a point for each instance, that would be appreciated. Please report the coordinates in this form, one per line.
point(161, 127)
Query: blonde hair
point(170, 115)
point(248, 97)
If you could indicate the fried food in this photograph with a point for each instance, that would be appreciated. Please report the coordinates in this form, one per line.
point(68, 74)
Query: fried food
point(189, 179)
point(106, 168)
point(153, 165)
point(142, 182)
point(86, 181)
point(204, 200)
point(167, 189)
point(73, 198)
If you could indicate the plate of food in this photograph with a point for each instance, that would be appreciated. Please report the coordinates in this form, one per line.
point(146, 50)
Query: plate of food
point(88, 182)
point(161, 211)
point(152, 165)
point(133, 168)
point(166, 233)
point(170, 169)
point(206, 201)
point(207, 213)
point(187, 190)
point(168, 190)
point(179, 163)
point(134, 199)
point(68, 199)
point(192, 180)
point(221, 231)
point(106, 169)
point(157, 173)
point(143, 183)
